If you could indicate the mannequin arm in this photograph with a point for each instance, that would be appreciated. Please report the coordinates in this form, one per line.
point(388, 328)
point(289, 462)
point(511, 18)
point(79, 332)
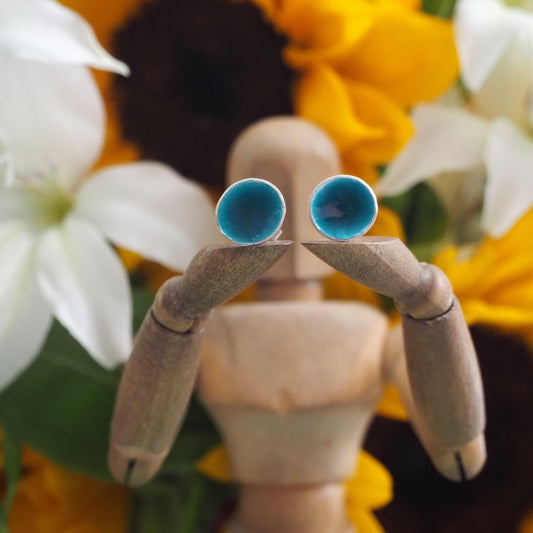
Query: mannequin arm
point(443, 383)
point(455, 467)
point(159, 377)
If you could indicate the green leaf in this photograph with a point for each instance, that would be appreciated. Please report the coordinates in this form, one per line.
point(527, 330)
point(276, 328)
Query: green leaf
point(62, 407)
point(156, 507)
point(424, 219)
point(11, 450)
point(440, 8)
point(191, 444)
point(190, 503)
point(142, 301)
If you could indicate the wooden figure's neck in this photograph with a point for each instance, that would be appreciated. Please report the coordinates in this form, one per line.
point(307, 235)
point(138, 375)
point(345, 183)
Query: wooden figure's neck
point(291, 289)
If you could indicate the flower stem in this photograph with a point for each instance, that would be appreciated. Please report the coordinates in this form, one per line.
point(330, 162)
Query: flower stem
point(194, 504)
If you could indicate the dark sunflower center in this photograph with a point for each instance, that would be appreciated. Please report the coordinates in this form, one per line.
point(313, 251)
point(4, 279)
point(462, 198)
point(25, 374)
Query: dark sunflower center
point(202, 70)
point(207, 85)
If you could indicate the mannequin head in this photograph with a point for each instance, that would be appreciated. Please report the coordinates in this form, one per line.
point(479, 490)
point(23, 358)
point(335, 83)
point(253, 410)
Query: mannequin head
point(295, 156)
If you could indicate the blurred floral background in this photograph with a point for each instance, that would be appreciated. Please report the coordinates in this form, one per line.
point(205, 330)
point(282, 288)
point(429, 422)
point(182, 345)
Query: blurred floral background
point(105, 107)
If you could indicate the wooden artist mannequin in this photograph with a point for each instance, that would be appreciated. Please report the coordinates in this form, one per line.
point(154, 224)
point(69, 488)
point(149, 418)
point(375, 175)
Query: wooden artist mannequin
point(293, 381)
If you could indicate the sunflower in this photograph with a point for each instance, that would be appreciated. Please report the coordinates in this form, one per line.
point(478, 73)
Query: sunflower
point(50, 499)
point(354, 67)
point(494, 283)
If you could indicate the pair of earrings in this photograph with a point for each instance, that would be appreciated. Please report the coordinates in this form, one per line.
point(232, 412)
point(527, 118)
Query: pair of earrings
point(252, 211)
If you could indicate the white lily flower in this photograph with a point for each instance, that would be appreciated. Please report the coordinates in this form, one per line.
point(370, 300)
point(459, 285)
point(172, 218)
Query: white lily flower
point(54, 258)
point(39, 39)
point(494, 41)
point(54, 223)
point(449, 139)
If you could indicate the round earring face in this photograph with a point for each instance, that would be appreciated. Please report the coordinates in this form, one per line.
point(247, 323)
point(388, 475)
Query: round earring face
point(343, 207)
point(251, 211)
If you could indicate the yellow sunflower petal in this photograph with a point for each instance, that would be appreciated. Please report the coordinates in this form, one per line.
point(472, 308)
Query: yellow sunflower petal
point(368, 127)
point(387, 224)
point(53, 500)
point(378, 111)
point(340, 287)
point(515, 270)
point(131, 260)
point(508, 316)
point(407, 55)
point(364, 521)
point(215, 464)
point(351, 164)
point(411, 4)
point(464, 275)
point(495, 285)
point(323, 29)
point(50, 499)
point(371, 485)
point(322, 97)
point(391, 404)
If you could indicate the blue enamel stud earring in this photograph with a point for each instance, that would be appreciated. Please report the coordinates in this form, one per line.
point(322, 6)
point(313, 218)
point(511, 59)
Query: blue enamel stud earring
point(343, 207)
point(251, 211)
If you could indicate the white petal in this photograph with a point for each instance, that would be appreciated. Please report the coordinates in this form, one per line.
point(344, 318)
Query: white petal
point(446, 140)
point(25, 317)
point(509, 189)
point(521, 24)
point(482, 34)
point(16, 204)
point(52, 117)
point(45, 31)
point(148, 208)
point(7, 173)
point(507, 89)
point(461, 193)
point(87, 289)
